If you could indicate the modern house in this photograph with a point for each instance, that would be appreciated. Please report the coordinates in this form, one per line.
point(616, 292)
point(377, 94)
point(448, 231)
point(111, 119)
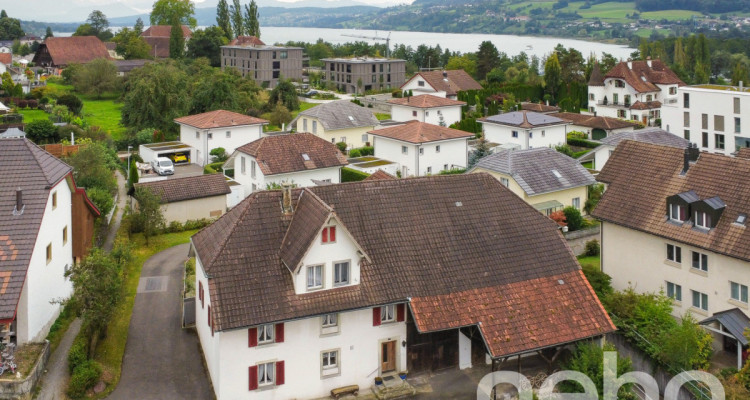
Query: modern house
point(57, 53)
point(426, 108)
point(302, 291)
point(711, 117)
point(157, 36)
point(543, 177)
point(596, 127)
point(675, 220)
point(445, 83)
point(46, 225)
point(633, 90)
point(263, 63)
point(361, 74)
point(526, 129)
point(301, 159)
point(226, 129)
point(338, 121)
point(422, 149)
point(192, 197)
point(600, 155)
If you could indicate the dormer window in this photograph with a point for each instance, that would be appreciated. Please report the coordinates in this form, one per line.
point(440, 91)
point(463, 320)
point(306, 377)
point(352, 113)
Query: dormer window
point(702, 220)
point(329, 234)
point(314, 277)
point(341, 273)
point(677, 212)
point(679, 206)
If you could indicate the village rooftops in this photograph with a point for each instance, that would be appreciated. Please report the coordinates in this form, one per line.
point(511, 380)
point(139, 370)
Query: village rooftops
point(417, 132)
point(539, 108)
point(71, 50)
point(6, 58)
point(523, 119)
point(644, 76)
point(648, 135)
point(341, 114)
point(291, 153)
point(187, 188)
point(426, 101)
point(219, 119)
point(449, 81)
point(245, 41)
point(165, 31)
point(595, 122)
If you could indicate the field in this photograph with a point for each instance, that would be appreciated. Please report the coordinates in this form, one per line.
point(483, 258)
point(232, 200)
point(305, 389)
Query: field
point(645, 33)
point(607, 12)
point(33, 115)
point(670, 15)
point(105, 113)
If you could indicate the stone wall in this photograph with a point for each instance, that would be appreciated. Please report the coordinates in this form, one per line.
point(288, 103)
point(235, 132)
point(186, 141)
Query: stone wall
point(577, 239)
point(24, 389)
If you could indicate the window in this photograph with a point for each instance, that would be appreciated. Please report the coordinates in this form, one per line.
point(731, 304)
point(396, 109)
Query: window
point(704, 121)
point(54, 200)
point(426, 113)
point(577, 202)
point(197, 135)
point(719, 123)
point(413, 113)
point(341, 273)
point(543, 133)
point(329, 234)
point(315, 277)
point(330, 361)
point(531, 134)
point(65, 235)
point(700, 300)
point(283, 55)
point(315, 126)
point(591, 97)
point(686, 100)
point(242, 165)
point(673, 90)
point(704, 139)
point(719, 141)
point(615, 98)
point(619, 84)
point(420, 83)
point(429, 170)
point(649, 97)
point(304, 124)
point(404, 150)
point(739, 292)
point(674, 291)
point(621, 114)
point(265, 374)
point(229, 134)
point(265, 334)
point(702, 220)
point(737, 125)
point(687, 134)
point(736, 105)
point(343, 139)
point(515, 134)
point(49, 253)
point(677, 212)
point(388, 313)
point(700, 261)
point(330, 320)
point(364, 138)
point(252, 168)
point(686, 119)
point(674, 253)
point(421, 151)
point(210, 135)
point(627, 99)
point(504, 181)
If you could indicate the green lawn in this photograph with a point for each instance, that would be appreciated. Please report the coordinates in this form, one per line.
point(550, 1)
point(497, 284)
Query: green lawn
point(611, 11)
point(645, 33)
point(33, 115)
point(670, 15)
point(588, 164)
point(382, 116)
point(105, 113)
point(594, 262)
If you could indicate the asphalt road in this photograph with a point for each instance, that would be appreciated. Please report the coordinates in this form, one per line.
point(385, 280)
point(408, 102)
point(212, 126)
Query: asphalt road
point(162, 360)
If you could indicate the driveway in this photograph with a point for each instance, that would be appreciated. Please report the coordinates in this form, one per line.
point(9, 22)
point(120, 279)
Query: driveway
point(162, 360)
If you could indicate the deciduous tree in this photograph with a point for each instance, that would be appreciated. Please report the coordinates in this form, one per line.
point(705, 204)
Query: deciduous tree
point(165, 12)
point(238, 22)
point(252, 25)
point(286, 94)
point(207, 43)
point(154, 96)
point(463, 62)
point(223, 21)
point(96, 77)
point(149, 216)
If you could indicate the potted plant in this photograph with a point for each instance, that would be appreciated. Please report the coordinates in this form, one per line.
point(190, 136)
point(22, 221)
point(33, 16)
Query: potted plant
point(402, 375)
point(378, 380)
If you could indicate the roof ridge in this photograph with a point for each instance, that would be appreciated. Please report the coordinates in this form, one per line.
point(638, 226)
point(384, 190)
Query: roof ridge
point(232, 227)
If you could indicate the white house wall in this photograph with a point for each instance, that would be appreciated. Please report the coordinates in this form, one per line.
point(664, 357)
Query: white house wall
point(450, 114)
point(207, 207)
point(209, 343)
point(454, 153)
point(198, 138)
point(300, 178)
point(413, 85)
point(548, 136)
point(601, 156)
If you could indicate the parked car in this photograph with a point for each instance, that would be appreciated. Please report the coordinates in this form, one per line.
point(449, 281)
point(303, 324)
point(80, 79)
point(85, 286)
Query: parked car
point(163, 166)
point(179, 158)
point(311, 93)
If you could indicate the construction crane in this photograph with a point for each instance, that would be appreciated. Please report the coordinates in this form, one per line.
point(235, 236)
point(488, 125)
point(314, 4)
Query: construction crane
point(376, 37)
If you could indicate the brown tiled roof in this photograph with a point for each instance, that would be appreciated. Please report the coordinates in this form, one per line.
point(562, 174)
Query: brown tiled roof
point(743, 152)
point(165, 31)
point(250, 285)
point(74, 49)
point(246, 41)
point(551, 313)
point(6, 58)
point(642, 175)
point(590, 121)
point(159, 46)
point(421, 132)
point(310, 215)
point(539, 107)
point(35, 172)
point(644, 78)
point(219, 119)
point(283, 154)
point(596, 79)
point(645, 105)
point(189, 188)
point(450, 81)
point(380, 174)
point(110, 45)
point(426, 101)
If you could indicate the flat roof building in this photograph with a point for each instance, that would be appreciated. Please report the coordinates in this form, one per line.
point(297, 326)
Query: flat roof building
point(361, 74)
point(263, 63)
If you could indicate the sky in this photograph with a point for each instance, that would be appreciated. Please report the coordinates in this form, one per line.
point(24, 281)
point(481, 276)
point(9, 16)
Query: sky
point(78, 10)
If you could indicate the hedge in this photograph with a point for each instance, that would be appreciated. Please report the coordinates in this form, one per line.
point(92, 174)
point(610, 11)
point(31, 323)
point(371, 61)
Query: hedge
point(84, 377)
point(213, 168)
point(362, 151)
point(582, 143)
point(352, 175)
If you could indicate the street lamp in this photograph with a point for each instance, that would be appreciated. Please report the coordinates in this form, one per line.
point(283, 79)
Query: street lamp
point(129, 147)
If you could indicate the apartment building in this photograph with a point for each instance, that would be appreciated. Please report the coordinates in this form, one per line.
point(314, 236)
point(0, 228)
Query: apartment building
point(358, 75)
point(263, 63)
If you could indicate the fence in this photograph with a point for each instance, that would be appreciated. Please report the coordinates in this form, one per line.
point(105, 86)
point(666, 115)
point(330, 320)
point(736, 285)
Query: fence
point(188, 312)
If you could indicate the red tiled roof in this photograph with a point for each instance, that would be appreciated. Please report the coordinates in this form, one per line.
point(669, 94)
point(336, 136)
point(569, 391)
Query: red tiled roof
point(379, 175)
point(246, 41)
point(539, 107)
point(189, 188)
point(286, 153)
point(420, 132)
point(74, 49)
point(219, 119)
point(165, 31)
point(590, 121)
point(744, 152)
point(6, 58)
point(647, 105)
point(426, 101)
point(450, 81)
point(596, 79)
point(159, 46)
point(644, 78)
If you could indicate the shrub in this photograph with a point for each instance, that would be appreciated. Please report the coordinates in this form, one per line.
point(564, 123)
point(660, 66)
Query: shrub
point(565, 149)
point(592, 248)
point(33, 103)
point(78, 353)
point(582, 143)
point(357, 102)
point(352, 175)
point(362, 151)
point(396, 94)
point(588, 359)
point(83, 378)
point(559, 217)
point(341, 146)
point(42, 131)
point(573, 218)
point(23, 104)
point(213, 168)
point(600, 282)
point(71, 101)
point(220, 155)
point(101, 198)
point(452, 171)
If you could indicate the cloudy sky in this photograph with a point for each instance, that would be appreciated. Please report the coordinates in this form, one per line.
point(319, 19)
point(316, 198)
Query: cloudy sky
point(77, 10)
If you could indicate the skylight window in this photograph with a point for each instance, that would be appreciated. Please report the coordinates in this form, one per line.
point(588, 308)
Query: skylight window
point(557, 174)
point(351, 118)
point(741, 219)
point(305, 157)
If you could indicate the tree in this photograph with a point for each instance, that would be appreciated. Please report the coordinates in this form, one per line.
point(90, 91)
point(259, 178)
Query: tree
point(154, 95)
point(595, 192)
point(132, 175)
point(71, 101)
point(149, 216)
point(463, 62)
point(49, 33)
point(223, 90)
point(222, 19)
point(285, 94)
point(588, 359)
point(219, 154)
point(252, 25)
point(280, 115)
point(84, 30)
point(573, 218)
point(207, 43)
point(487, 59)
point(96, 77)
point(99, 25)
point(176, 41)
point(10, 28)
point(238, 22)
point(138, 27)
point(482, 150)
point(165, 12)
point(93, 166)
point(42, 131)
point(552, 75)
point(3, 14)
point(130, 45)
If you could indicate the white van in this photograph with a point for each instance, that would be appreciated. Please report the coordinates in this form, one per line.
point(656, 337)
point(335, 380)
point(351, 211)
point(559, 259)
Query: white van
point(163, 166)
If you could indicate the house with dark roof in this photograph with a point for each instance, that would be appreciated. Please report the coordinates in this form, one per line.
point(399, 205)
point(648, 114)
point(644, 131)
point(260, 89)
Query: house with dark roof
point(221, 128)
point(675, 220)
point(526, 129)
point(633, 90)
point(59, 52)
point(596, 127)
point(46, 225)
point(543, 177)
point(157, 36)
point(192, 197)
point(301, 291)
point(600, 155)
point(338, 121)
point(422, 149)
point(301, 159)
point(426, 108)
point(446, 83)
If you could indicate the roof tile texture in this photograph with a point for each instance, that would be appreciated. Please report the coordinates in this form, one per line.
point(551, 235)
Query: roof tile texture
point(450, 81)
point(644, 78)
point(420, 132)
point(648, 135)
point(283, 154)
point(342, 114)
point(188, 188)
point(426, 101)
point(219, 119)
point(75, 49)
point(590, 121)
point(165, 31)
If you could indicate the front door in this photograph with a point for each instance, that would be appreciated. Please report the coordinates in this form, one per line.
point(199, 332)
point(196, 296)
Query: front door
point(388, 356)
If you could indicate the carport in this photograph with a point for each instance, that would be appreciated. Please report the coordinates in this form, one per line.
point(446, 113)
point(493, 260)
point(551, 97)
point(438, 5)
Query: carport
point(731, 325)
point(178, 152)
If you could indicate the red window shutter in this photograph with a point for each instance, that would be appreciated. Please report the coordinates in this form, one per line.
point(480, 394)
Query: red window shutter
point(376, 316)
point(682, 213)
point(209, 316)
point(400, 312)
point(279, 333)
point(200, 292)
point(332, 234)
point(253, 377)
point(325, 235)
point(252, 337)
point(279, 373)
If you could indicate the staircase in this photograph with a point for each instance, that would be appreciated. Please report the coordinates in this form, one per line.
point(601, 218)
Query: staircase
point(393, 388)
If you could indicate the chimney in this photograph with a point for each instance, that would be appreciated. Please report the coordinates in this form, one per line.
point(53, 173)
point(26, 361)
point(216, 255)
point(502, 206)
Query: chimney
point(19, 202)
point(630, 65)
point(648, 61)
point(286, 202)
point(445, 74)
point(741, 85)
point(690, 156)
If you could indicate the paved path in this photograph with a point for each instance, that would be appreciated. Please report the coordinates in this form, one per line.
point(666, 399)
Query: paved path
point(114, 225)
point(162, 360)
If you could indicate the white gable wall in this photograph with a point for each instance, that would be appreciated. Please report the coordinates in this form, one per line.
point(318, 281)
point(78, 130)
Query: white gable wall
point(198, 138)
point(451, 114)
point(414, 85)
point(548, 136)
point(601, 156)
point(299, 178)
